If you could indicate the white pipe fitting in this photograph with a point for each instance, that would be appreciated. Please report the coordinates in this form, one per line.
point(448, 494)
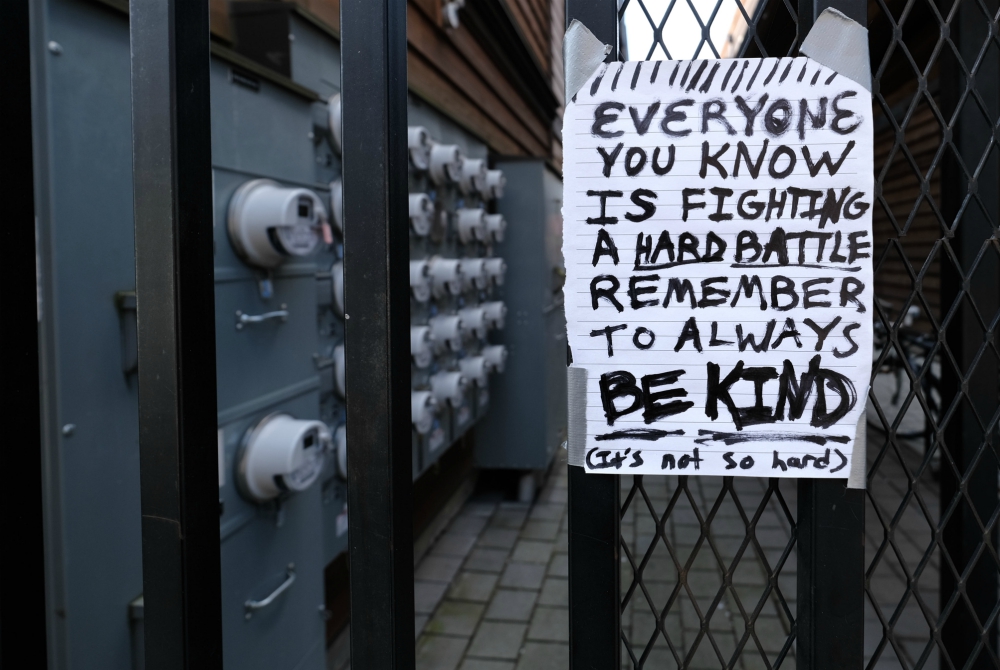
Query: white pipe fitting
point(337, 287)
point(423, 410)
point(446, 331)
point(495, 226)
point(496, 357)
point(335, 110)
point(421, 213)
point(473, 176)
point(471, 225)
point(474, 273)
point(495, 311)
point(496, 269)
point(337, 204)
point(418, 142)
point(420, 280)
point(340, 450)
point(421, 346)
point(340, 371)
point(495, 182)
point(474, 322)
point(476, 369)
point(450, 388)
point(445, 275)
point(445, 164)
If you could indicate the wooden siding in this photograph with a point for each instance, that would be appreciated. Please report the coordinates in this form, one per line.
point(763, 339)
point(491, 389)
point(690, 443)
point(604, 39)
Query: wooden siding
point(452, 71)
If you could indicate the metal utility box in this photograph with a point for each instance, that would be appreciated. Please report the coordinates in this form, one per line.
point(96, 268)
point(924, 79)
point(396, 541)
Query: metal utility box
point(527, 418)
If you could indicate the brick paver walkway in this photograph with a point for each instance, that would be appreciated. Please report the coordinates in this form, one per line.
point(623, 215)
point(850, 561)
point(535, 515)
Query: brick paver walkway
point(492, 592)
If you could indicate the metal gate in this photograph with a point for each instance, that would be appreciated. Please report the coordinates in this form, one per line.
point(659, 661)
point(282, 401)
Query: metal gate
point(748, 573)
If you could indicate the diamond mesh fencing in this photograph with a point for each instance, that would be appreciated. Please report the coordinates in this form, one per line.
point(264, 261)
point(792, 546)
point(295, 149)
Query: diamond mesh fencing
point(708, 573)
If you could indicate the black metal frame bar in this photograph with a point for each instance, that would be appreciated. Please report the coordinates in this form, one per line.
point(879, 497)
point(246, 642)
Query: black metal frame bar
point(376, 245)
point(594, 501)
point(830, 621)
point(172, 168)
point(22, 571)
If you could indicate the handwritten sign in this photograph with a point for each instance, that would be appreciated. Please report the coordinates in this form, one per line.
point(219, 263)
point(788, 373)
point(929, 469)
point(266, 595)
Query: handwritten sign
point(718, 245)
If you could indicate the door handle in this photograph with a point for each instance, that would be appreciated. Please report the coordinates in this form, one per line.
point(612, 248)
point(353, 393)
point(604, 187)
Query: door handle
point(252, 606)
point(243, 320)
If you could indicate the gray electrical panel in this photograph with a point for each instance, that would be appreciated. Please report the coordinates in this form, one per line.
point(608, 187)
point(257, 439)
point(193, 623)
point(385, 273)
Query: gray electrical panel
point(278, 223)
point(528, 420)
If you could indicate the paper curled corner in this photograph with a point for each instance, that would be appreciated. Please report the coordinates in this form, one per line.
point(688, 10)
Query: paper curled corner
point(576, 425)
point(841, 44)
point(582, 55)
point(859, 457)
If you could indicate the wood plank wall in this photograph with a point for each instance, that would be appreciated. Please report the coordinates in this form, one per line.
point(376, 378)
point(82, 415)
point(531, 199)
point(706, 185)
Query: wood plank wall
point(451, 71)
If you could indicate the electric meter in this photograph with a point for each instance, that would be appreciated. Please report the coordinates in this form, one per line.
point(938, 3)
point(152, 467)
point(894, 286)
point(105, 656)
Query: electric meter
point(421, 213)
point(269, 223)
point(423, 409)
point(337, 287)
point(446, 330)
point(471, 225)
point(449, 387)
point(445, 275)
point(495, 182)
point(281, 455)
point(495, 312)
point(496, 356)
point(340, 371)
point(420, 280)
point(473, 176)
point(474, 273)
point(476, 369)
point(495, 226)
point(474, 322)
point(421, 345)
point(495, 269)
point(418, 141)
point(445, 163)
point(337, 204)
point(340, 450)
point(335, 109)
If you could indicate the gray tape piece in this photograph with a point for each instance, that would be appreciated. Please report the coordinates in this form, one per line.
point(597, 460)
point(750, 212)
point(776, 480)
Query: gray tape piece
point(576, 430)
point(582, 55)
point(841, 44)
point(859, 458)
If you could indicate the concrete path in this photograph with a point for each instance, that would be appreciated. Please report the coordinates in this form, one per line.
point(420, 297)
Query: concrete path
point(492, 592)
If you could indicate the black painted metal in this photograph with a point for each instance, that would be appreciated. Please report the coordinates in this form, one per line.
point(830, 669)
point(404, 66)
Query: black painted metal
point(970, 496)
point(831, 521)
point(831, 575)
point(172, 167)
point(593, 500)
point(376, 245)
point(22, 570)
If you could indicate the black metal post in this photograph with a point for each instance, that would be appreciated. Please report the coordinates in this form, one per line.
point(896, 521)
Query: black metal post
point(594, 500)
point(376, 245)
point(172, 168)
point(830, 622)
point(970, 284)
point(22, 564)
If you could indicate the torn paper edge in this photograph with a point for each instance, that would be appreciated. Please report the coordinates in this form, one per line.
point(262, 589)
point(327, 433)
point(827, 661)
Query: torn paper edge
point(576, 424)
point(859, 456)
point(583, 53)
point(841, 44)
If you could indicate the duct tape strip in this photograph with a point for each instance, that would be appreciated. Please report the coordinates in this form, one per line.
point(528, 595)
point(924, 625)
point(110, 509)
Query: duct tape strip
point(576, 430)
point(841, 44)
point(582, 54)
point(859, 458)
